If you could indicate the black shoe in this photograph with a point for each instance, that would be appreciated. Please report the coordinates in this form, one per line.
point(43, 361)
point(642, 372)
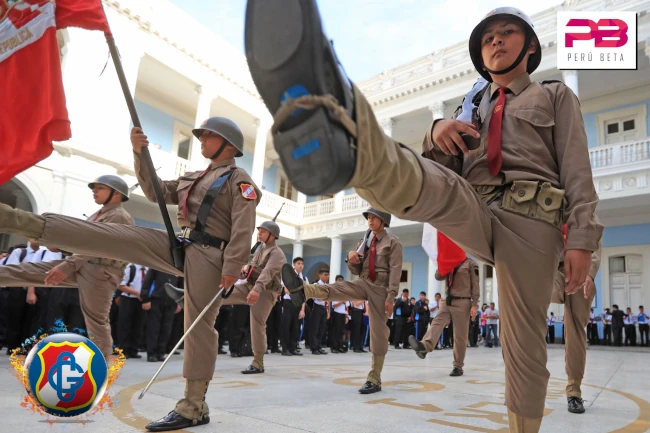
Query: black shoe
point(222, 352)
point(420, 349)
point(360, 351)
point(295, 353)
point(336, 351)
point(235, 355)
point(289, 56)
point(286, 353)
point(369, 388)
point(294, 284)
point(152, 358)
point(174, 421)
point(133, 356)
point(161, 358)
point(316, 352)
point(456, 372)
point(177, 353)
point(322, 351)
point(575, 405)
point(252, 370)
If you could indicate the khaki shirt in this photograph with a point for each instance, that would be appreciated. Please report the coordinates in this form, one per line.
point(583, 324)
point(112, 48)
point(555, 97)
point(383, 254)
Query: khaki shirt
point(110, 213)
point(267, 275)
point(543, 138)
point(232, 217)
point(388, 261)
point(465, 283)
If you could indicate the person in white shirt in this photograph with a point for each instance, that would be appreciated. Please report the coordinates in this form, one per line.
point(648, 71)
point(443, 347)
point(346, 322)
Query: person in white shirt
point(38, 299)
point(319, 316)
point(643, 320)
point(630, 329)
point(130, 314)
point(550, 321)
point(607, 327)
point(18, 322)
point(338, 324)
point(356, 326)
point(291, 316)
point(492, 315)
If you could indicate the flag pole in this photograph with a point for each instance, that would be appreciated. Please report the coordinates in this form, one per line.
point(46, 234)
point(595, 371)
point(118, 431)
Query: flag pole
point(177, 248)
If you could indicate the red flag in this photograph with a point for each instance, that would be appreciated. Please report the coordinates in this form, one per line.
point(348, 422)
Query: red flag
point(450, 255)
point(31, 84)
point(565, 234)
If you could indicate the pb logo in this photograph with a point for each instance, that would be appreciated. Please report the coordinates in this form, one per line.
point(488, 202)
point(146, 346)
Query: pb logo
point(67, 374)
point(607, 32)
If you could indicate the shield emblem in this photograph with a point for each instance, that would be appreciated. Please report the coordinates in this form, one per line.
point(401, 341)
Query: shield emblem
point(65, 380)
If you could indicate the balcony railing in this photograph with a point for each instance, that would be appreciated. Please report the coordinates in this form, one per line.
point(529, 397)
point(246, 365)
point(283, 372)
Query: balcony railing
point(620, 154)
point(354, 202)
point(169, 165)
point(319, 208)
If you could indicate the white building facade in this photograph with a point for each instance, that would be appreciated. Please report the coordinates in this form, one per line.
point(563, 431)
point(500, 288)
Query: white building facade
point(179, 78)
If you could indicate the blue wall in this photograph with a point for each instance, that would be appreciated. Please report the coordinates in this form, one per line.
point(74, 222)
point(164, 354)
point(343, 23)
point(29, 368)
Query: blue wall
point(270, 179)
point(592, 127)
point(246, 162)
point(420, 261)
point(349, 191)
point(157, 125)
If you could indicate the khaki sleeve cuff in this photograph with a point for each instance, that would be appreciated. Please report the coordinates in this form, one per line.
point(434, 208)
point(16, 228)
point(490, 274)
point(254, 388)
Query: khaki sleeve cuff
point(583, 239)
point(231, 270)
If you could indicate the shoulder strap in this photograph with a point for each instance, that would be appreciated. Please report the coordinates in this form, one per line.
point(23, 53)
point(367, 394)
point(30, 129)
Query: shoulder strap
point(42, 255)
point(131, 275)
point(23, 254)
point(209, 198)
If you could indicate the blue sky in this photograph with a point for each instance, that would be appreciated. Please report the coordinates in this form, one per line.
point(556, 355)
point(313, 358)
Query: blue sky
point(371, 36)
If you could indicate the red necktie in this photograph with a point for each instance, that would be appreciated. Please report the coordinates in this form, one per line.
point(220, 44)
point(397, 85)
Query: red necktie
point(371, 262)
point(142, 270)
point(494, 133)
point(99, 212)
point(189, 191)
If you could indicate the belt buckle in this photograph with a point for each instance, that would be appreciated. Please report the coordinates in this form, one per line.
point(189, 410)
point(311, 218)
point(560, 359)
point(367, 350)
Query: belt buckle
point(185, 234)
point(222, 246)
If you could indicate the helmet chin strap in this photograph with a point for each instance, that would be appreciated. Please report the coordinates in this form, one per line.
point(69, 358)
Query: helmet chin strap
point(221, 149)
point(516, 63)
point(110, 197)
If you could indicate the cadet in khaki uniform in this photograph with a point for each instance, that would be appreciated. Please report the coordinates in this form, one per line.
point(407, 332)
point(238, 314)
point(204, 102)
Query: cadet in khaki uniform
point(378, 262)
point(95, 277)
point(217, 246)
point(504, 201)
point(576, 316)
point(260, 291)
point(460, 303)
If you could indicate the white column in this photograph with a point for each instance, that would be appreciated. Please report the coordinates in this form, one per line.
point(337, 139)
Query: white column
point(203, 112)
point(437, 110)
point(58, 194)
point(338, 201)
point(297, 249)
point(260, 152)
point(387, 125)
point(302, 198)
point(570, 78)
point(495, 288)
point(481, 281)
point(335, 257)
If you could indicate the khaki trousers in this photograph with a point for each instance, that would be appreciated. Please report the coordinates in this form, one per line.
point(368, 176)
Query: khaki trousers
point(459, 313)
point(357, 290)
point(96, 284)
point(524, 251)
point(149, 247)
point(576, 317)
point(259, 314)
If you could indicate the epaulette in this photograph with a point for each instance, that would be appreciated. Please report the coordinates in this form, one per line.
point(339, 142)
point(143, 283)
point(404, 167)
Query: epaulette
point(551, 81)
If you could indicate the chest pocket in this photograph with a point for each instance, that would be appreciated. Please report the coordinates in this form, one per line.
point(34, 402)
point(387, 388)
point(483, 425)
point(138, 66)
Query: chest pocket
point(531, 122)
point(183, 189)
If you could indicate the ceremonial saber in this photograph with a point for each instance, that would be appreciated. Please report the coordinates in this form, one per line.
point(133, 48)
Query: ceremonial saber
point(171, 353)
point(177, 248)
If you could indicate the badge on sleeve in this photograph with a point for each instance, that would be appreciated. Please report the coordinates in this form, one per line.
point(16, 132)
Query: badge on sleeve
point(247, 191)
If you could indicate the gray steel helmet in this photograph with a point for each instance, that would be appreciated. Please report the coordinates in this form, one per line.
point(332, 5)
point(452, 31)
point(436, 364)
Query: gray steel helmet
point(384, 216)
point(272, 227)
point(225, 128)
point(500, 13)
point(114, 182)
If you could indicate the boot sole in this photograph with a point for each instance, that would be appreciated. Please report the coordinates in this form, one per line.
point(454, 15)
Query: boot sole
point(289, 56)
point(203, 421)
point(415, 345)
